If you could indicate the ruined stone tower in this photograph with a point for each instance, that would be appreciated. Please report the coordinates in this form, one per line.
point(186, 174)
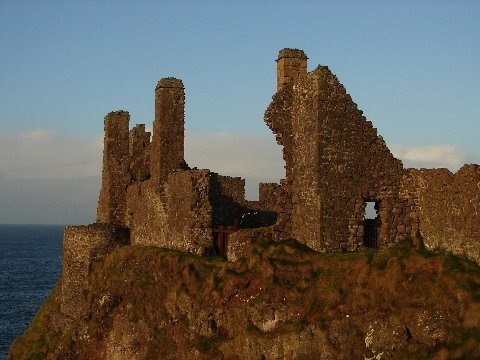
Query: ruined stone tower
point(115, 173)
point(167, 152)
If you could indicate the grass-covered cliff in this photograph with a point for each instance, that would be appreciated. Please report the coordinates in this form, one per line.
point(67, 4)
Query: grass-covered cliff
point(284, 301)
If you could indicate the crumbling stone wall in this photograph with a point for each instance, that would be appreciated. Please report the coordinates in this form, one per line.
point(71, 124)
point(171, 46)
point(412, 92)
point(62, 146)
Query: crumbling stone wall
point(447, 207)
point(148, 187)
point(354, 166)
point(147, 214)
point(189, 211)
point(278, 118)
point(335, 162)
point(268, 196)
point(115, 173)
point(83, 245)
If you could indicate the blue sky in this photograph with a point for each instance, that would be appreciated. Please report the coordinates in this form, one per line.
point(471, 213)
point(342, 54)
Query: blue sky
point(412, 67)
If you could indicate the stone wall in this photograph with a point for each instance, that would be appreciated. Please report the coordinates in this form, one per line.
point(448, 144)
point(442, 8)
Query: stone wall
point(147, 214)
point(278, 118)
point(448, 208)
point(83, 245)
point(354, 166)
point(115, 172)
point(268, 196)
point(335, 162)
point(306, 189)
point(189, 211)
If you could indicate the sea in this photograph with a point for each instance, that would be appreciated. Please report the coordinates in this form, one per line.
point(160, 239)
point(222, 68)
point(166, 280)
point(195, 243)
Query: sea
point(30, 264)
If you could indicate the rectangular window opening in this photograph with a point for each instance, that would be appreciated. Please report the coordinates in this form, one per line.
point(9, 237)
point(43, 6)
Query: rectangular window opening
point(371, 210)
point(371, 224)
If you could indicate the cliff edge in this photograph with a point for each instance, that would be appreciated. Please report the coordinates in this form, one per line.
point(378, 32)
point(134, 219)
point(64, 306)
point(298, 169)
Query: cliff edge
point(282, 301)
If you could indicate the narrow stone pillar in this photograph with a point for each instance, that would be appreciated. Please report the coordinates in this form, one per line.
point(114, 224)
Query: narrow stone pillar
point(139, 153)
point(290, 63)
point(167, 149)
point(139, 140)
point(112, 202)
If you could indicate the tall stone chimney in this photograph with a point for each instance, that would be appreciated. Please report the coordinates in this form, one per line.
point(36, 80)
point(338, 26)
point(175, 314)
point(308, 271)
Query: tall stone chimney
point(290, 63)
point(167, 149)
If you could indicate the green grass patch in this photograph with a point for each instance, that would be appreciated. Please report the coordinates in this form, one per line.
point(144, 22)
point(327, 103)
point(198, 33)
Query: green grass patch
point(379, 260)
point(428, 254)
point(252, 329)
point(300, 325)
point(206, 344)
point(316, 274)
point(352, 255)
point(454, 264)
point(284, 282)
point(467, 342)
point(315, 305)
point(36, 342)
point(472, 286)
point(288, 262)
point(263, 243)
point(297, 245)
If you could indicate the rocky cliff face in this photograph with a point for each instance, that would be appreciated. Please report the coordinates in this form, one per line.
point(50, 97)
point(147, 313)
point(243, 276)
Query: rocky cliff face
point(284, 301)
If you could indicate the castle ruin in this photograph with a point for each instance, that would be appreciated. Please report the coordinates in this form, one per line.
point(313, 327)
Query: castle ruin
point(335, 164)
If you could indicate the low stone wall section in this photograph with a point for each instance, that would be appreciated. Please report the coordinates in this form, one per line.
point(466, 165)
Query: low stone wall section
point(146, 215)
point(83, 245)
point(448, 208)
point(189, 211)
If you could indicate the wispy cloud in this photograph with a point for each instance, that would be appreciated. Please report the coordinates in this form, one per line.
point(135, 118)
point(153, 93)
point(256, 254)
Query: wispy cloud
point(48, 154)
point(430, 156)
point(51, 177)
point(48, 177)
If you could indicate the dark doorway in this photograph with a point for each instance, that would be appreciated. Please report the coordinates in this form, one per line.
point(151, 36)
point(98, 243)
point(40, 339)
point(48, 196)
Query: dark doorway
point(220, 237)
point(370, 224)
